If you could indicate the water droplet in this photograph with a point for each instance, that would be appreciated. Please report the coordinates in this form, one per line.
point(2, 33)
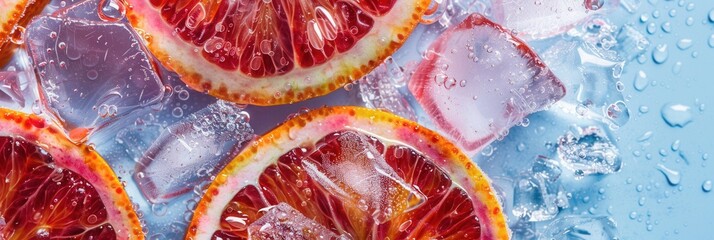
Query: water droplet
point(92, 219)
point(42, 233)
point(660, 53)
point(675, 145)
point(667, 27)
point(641, 81)
point(618, 113)
point(159, 209)
point(111, 10)
point(17, 36)
point(707, 186)
point(92, 74)
point(673, 177)
point(177, 112)
point(711, 16)
point(405, 225)
point(645, 136)
point(711, 41)
point(676, 115)
point(183, 95)
point(677, 68)
point(684, 43)
point(644, 109)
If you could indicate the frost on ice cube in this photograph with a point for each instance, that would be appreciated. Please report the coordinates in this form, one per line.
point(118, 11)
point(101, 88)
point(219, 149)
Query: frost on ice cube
point(379, 90)
point(191, 151)
point(546, 18)
point(92, 73)
point(479, 80)
point(581, 227)
point(284, 222)
point(589, 150)
point(538, 195)
point(349, 166)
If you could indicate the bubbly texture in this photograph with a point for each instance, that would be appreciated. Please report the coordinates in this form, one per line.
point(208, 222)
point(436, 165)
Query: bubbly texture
point(350, 184)
point(270, 37)
point(39, 200)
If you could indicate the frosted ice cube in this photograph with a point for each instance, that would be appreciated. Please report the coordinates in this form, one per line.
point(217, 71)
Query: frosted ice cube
point(542, 19)
point(581, 227)
point(190, 151)
point(350, 167)
point(589, 150)
point(284, 222)
point(92, 73)
point(478, 81)
point(379, 90)
point(538, 194)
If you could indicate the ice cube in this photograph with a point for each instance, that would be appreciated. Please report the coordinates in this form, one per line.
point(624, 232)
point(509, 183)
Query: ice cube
point(191, 151)
point(538, 194)
point(136, 139)
point(379, 90)
point(593, 70)
point(92, 73)
point(524, 230)
point(352, 168)
point(581, 227)
point(632, 43)
point(589, 150)
point(284, 222)
point(542, 19)
point(11, 93)
point(479, 81)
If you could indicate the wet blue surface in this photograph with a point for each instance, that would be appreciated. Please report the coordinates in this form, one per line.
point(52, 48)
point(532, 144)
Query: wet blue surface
point(640, 199)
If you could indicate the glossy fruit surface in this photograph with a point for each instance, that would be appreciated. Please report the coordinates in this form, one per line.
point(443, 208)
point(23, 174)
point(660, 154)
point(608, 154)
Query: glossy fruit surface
point(273, 52)
point(52, 188)
point(351, 172)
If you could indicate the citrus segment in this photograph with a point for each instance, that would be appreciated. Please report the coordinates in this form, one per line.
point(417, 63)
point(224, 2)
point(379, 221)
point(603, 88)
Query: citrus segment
point(14, 13)
point(52, 188)
point(276, 51)
point(354, 173)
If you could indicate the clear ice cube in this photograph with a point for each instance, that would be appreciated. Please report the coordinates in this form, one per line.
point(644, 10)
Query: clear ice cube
point(589, 150)
point(350, 167)
point(538, 194)
point(479, 80)
point(581, 228)
point(92, 73)
point(191, 151)
point(379, 90)
point(542, 19)
point(591, 63)
point(284, 222)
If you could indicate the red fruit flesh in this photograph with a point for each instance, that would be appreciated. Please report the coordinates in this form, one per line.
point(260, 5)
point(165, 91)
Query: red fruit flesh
point(268, 38)
point(445, 209)
point(39, 200)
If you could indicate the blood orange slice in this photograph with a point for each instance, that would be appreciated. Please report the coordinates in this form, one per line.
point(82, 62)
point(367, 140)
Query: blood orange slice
point(347, 172)
point(53, 189)
point(15, 13)
point(273, 51)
